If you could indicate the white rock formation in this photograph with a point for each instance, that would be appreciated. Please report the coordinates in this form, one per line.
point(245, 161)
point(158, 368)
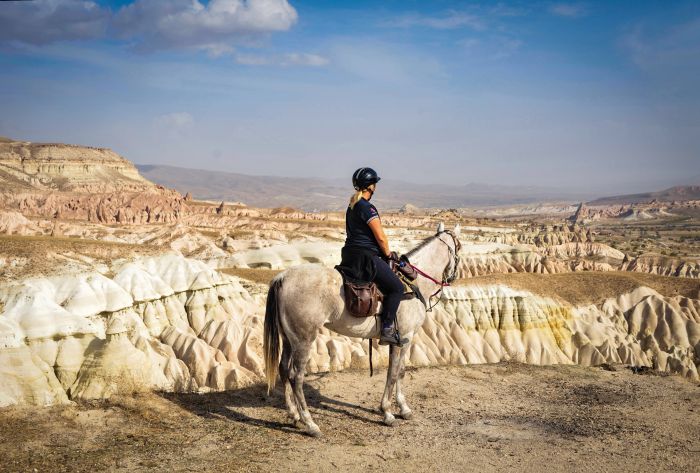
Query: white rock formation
point(171, 323)
point(478, 259)
point(14, 223)
point(663, 265)
point(284, 256)
point(161, 323)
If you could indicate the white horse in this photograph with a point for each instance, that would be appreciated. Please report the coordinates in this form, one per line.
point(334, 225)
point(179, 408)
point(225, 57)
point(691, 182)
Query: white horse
point(305, 298)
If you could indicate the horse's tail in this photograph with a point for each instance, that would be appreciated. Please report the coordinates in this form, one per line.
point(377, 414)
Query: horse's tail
point(271, 343)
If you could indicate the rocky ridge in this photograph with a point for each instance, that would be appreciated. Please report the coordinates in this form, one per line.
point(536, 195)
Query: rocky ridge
point(173, 324)
point(81, 183)
point(67, 168)
point(162, 323)
point(654, 209)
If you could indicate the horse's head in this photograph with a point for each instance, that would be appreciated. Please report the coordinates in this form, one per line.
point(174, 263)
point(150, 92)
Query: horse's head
point(451, 239)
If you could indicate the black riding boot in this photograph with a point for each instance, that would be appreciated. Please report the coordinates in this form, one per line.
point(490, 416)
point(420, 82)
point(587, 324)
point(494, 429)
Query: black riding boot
point(390, 333)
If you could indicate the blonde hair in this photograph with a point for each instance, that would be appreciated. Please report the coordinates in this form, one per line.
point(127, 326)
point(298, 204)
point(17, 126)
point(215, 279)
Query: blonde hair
point(355, 198)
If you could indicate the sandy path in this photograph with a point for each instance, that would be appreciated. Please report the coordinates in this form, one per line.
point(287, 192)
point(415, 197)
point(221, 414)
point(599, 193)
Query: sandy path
point(479, 418)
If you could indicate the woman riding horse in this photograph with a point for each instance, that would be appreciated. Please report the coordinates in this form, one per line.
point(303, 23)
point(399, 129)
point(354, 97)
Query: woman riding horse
point(306, 298)
point(366, 252)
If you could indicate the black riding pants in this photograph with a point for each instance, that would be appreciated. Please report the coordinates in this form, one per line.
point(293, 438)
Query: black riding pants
point(392, 288)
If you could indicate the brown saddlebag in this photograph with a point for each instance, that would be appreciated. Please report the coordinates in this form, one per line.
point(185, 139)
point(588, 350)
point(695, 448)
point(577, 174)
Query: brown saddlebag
point(361, 299)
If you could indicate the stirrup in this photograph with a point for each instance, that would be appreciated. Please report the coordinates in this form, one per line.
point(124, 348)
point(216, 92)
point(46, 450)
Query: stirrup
point(395, 340)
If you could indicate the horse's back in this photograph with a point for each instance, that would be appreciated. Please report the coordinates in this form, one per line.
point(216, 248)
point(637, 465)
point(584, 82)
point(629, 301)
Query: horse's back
point(310, 294)
point(311, 275)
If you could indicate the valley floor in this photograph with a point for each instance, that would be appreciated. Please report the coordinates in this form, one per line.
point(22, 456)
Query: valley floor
point(477, 418)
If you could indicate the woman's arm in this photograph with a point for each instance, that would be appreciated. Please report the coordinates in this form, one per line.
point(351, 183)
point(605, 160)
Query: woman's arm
point(376, 226)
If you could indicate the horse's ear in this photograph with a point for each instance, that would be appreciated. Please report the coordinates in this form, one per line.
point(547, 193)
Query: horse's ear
point(441, 227)
point(457, 230)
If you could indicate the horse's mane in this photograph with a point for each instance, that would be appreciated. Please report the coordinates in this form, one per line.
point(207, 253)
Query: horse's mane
point(421, 245)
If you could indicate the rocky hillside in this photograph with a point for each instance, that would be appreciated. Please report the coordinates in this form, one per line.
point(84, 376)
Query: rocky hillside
point(78, 182)
point(174, 324)
point(677, 193)
point(66, 168)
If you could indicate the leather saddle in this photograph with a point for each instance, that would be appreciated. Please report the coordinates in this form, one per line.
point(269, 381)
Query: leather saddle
point(362, 299)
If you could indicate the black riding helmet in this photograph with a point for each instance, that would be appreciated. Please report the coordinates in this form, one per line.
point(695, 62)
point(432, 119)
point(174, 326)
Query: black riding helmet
point(364, 177)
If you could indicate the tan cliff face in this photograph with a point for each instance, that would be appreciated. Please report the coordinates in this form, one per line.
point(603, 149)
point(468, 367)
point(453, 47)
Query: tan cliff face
point(67, 168)
point(80, 183)
point(120, 207)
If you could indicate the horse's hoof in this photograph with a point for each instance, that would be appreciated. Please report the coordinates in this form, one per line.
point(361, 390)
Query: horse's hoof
point(390, 421)
point(408, 415)
point(315, 432)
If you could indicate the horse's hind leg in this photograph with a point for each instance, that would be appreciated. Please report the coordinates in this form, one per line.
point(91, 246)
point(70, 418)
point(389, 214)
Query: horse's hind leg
point(405, 411)
point(300, 357)
point(391, 378)
point(285, 368)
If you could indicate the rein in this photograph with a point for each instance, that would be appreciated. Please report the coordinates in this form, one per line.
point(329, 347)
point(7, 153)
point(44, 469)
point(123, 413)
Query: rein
point(446, 280)
point(428, 276)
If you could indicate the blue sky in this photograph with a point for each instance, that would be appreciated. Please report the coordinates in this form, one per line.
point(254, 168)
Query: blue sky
point(600, 96)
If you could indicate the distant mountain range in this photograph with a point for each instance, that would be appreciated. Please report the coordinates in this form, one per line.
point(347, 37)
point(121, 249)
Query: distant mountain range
point(42, 167)
point(667, 195)
point(332, 194)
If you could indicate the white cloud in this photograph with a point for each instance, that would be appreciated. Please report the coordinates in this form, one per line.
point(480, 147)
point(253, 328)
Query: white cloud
point(449, 21)
point(505, 10)
point(469, 43)
point(675, 47)
point(304, 59)
point(175, 121)
point(491, 46)
point(506, 47)
point(569, 10)
point(669, 59)
point(190, 24)
point(214, 26)
point(386, 63)
point(253, 59)
point(289, 59)
point(217, 49)
point(47, 21)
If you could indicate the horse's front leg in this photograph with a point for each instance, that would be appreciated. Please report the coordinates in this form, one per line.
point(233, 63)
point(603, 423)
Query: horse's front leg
point(405, 411)
point(392, 375)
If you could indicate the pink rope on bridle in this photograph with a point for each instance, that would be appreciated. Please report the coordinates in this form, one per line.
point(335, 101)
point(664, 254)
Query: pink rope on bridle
point(425, 275)
point(445, 281)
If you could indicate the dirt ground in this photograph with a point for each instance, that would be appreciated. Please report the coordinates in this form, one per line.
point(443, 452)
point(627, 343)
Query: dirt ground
point(478, 418)
point(46, 255)
point(257, 275)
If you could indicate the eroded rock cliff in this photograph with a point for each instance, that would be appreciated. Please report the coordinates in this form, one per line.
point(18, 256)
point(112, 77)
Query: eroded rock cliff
point(165, 323)
point(67, 168)
point(81, 183)
point(173, 324)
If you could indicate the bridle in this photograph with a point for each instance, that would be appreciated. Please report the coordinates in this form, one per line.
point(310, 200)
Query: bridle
point(447, 278)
